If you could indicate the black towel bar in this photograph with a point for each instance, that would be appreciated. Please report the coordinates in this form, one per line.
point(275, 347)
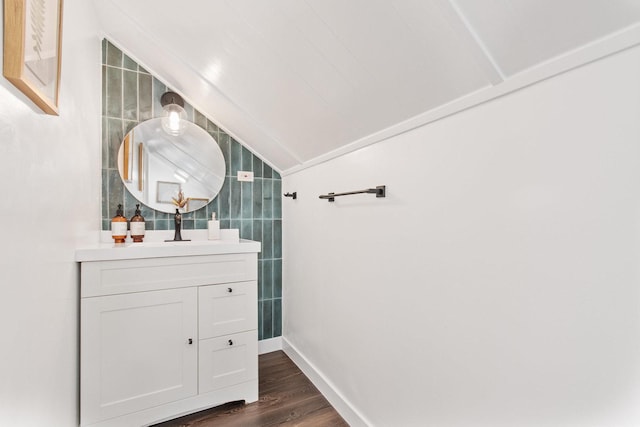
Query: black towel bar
point(379, 191)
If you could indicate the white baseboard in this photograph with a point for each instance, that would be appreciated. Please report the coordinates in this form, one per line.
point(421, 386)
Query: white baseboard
point(351, 415)
point(269, 345)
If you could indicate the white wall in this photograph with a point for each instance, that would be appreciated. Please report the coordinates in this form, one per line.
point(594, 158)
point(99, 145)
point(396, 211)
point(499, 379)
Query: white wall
point(498, 282)
point(50, 192)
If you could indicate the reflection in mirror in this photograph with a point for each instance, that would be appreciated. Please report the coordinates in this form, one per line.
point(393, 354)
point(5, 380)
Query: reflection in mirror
point(157, 167)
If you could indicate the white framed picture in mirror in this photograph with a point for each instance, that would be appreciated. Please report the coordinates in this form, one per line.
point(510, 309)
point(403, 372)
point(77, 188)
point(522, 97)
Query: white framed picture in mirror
point(167, 191)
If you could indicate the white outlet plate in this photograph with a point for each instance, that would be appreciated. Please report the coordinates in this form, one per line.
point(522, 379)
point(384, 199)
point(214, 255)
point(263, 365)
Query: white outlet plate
point(245, 176)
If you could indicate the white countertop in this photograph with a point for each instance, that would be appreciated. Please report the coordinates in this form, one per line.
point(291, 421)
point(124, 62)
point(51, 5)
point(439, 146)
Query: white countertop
point(154, 246)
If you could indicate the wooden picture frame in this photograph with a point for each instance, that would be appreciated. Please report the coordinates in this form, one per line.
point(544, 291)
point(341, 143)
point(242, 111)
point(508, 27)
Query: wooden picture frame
point(33, 49)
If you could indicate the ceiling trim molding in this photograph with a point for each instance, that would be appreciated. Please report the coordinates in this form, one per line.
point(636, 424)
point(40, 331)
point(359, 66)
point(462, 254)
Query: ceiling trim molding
point(611, 44)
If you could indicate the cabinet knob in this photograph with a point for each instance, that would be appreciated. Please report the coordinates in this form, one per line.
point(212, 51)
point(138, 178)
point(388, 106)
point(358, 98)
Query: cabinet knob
point(230, 342)
point(190, 340)
point(229, 290)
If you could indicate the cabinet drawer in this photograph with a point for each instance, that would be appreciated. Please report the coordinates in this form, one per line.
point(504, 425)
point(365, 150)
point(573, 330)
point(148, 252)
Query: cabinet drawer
point(227, 360)
point(136, 275)
point(227, 309)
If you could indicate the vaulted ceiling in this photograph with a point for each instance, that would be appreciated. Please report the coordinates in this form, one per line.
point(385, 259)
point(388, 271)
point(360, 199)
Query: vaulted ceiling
point(302, 81)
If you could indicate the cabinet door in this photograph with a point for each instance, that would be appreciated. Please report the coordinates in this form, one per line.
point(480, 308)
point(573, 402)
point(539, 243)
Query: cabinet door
point(227, 309)
point(228, 360)
point(138, 350)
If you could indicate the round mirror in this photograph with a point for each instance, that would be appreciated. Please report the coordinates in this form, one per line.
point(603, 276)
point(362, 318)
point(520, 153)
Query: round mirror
point(161, 170)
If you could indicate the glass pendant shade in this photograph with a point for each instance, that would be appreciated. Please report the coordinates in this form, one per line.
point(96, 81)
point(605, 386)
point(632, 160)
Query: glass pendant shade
point(173, 119)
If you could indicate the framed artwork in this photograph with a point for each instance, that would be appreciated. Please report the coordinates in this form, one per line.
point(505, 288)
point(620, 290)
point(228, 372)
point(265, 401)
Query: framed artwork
point(167, 191)
point(33, 48)
point(195, 203)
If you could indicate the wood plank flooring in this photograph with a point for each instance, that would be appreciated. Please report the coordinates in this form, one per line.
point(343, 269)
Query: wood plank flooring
point(287, 398)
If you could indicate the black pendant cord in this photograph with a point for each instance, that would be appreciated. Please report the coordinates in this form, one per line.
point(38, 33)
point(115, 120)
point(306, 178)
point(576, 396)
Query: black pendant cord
point(379, 191)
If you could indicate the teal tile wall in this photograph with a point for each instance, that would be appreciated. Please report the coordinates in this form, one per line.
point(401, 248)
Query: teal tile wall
point(130, 95)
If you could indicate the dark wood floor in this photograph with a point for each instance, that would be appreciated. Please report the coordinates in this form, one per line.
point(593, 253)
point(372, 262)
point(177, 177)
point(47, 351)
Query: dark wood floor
point(287, 398)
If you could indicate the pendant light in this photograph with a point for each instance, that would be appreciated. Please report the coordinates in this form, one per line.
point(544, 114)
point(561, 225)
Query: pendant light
point(173, 114)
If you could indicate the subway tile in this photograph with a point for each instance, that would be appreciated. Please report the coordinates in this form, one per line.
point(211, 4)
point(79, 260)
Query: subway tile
point(225, 223)
point(130, 95)
point(267, 319)
point(104, 51)
point(267, 279)
point(188, 108)
point(105, 194)
point(275, 174)
point(188, 224)
point(145, 97)
point(277, 317)
point(235, 224)
point(247, 200)
point(267, 199)
point(162, 224)
point(164, 215)
point(246, 229)
point(257, 198)
point(147, 212)
point(224, 199)
point(277, 198)
point(257, 233)
point(201, 214)
point(212, 207)
point(114, 139)
point(129, 63)
point(277, 238)
point(267, 172)
point(129, 204)
point(128, 126)
point(247, 159)
point(199, 119)
point(104, 90)
point(236, 157)
point(158, 89)
point(225, 147)
point(257, 167)
point(114, 55)
point(235, 199)
point(116, 192)
point(201, 224)
point(105, 143)
point(260, 280)
point(260, 319)
point(267, 239)
point(114, 92)
point(277, 278)
point(213, 128)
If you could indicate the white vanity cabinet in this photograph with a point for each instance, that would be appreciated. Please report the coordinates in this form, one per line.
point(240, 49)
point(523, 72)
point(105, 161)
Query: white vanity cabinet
point(164, 336)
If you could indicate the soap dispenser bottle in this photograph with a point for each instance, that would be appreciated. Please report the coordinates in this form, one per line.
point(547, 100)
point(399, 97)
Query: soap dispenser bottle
point(119, 226)
point(214, 227)
point(136, 226)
